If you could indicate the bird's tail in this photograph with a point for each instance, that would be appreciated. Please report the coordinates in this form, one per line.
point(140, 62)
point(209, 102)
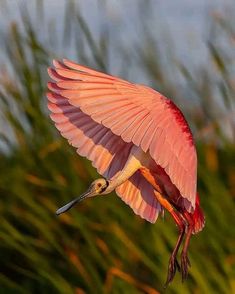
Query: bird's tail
point(198, 217)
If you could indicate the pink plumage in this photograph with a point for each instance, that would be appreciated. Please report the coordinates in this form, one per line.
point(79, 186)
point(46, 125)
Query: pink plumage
point(107, 151)
point(105, 116)
point(137, 114)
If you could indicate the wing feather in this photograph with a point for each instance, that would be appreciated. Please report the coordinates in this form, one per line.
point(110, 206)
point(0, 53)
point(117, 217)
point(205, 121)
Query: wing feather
point(138, 191)
point(107, 151)
point(136, 113)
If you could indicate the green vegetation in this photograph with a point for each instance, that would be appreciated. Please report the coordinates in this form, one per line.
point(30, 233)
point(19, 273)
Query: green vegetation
point(101, 246)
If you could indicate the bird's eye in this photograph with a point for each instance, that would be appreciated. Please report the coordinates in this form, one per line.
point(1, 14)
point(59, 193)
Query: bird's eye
point(99, 185)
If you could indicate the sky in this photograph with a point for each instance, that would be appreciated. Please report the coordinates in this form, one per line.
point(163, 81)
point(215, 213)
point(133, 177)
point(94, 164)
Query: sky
point(187, 21)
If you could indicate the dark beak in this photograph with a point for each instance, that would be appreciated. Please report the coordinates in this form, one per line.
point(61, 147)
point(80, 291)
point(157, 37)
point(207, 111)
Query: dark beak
point(69, 205)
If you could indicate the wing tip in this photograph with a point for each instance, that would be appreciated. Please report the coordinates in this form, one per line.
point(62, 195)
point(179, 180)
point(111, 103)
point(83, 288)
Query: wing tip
point(50, 72)
point(54, 62)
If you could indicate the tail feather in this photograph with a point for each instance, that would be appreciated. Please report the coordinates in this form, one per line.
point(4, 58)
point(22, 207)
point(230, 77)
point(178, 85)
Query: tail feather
point(198, 217)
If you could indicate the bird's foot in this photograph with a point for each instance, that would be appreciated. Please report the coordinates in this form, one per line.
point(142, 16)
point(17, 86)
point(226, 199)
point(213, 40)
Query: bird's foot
point(185, 264)
point(172, 266)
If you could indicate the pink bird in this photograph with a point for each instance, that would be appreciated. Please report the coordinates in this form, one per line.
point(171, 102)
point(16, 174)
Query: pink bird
point(138, 140)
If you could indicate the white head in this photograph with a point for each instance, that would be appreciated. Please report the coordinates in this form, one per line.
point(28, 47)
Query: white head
point(98, 187)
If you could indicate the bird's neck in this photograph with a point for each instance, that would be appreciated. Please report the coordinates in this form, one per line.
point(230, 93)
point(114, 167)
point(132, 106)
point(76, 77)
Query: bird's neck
point(134, 162)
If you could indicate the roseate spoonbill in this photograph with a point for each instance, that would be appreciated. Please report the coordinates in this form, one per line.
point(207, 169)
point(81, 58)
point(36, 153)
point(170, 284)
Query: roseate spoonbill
point(137, 139)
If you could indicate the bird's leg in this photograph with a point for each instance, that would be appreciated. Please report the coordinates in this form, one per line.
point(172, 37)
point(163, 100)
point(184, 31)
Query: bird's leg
point(185, 263)
point(173, 263)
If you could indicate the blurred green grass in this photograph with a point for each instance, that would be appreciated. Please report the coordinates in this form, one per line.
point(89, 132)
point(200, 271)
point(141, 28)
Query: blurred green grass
point(101, 246)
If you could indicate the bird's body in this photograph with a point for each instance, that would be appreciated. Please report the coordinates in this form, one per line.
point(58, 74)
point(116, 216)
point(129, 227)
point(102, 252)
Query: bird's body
point(137, 139)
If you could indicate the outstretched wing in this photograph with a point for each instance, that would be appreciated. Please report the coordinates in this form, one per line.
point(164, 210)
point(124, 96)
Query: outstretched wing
point(107, 151)
point(137, 114)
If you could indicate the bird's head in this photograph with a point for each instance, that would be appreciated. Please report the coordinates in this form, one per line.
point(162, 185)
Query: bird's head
point(97, 187)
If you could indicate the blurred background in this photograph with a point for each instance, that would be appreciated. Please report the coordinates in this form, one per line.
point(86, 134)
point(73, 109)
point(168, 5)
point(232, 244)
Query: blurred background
point(184, 49)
